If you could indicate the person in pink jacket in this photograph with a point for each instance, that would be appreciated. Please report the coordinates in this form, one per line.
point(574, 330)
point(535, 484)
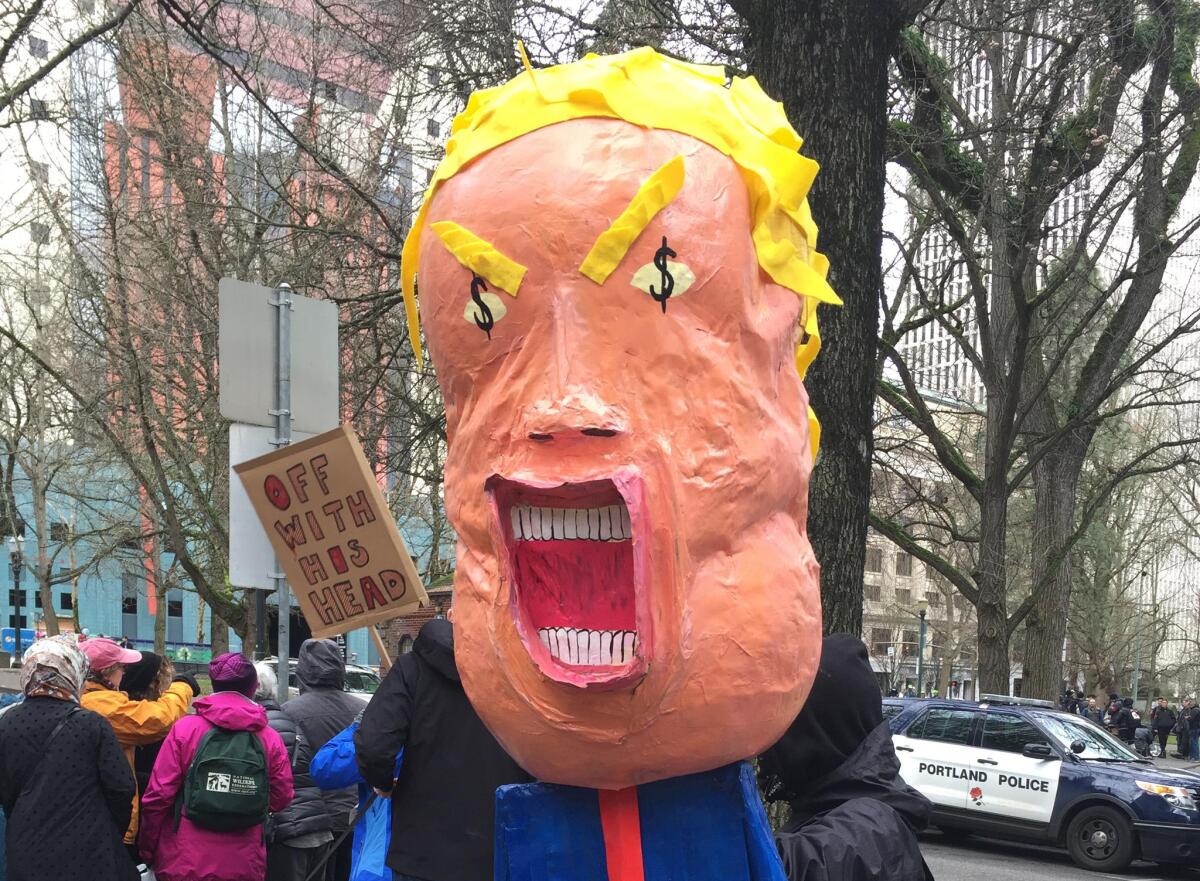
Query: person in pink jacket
point(187, 852)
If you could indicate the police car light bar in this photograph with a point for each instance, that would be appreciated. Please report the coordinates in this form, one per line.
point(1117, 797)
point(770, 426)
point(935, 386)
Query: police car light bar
point(1009, 700)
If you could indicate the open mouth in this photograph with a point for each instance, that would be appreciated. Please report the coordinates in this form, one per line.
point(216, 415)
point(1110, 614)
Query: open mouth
point(571, 554)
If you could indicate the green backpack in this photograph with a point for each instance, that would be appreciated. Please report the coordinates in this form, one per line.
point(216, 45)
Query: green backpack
point(226, 785)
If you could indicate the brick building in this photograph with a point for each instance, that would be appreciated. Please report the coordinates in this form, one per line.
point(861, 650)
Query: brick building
point(399, 633)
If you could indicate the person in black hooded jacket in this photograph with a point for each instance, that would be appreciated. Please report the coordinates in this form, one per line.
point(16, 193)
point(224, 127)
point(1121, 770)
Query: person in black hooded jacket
point(443, 803)
point(1124, 721)
point(321, 710)
point(853, 817)
point(296, 836)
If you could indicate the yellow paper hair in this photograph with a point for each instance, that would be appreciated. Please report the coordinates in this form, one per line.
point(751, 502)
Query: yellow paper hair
point(648, 89)
point(652, 196)
point(479, 256)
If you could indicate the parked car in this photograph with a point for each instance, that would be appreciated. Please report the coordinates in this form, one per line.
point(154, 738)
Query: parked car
point(1023, 769)
point(362, 682)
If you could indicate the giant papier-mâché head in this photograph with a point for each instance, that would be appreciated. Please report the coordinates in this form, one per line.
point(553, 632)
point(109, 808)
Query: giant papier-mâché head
point(618, 281)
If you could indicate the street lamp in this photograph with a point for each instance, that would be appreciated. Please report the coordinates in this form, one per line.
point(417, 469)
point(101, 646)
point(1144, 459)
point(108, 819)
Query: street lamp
point(14, 546)
point(922, 608)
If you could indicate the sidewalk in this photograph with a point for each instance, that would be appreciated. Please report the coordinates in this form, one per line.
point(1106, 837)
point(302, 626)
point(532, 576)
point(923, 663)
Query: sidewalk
point(1169, 761)
point(10, 680)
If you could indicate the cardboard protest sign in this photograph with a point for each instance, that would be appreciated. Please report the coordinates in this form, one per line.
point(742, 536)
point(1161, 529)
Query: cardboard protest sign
point(322, 508)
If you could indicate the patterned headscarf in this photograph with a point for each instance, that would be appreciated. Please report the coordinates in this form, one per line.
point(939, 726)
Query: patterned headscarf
point(54, 667)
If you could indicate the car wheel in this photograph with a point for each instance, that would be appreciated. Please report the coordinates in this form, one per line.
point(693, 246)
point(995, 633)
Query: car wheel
point(1156, 750)
point(1100, 839)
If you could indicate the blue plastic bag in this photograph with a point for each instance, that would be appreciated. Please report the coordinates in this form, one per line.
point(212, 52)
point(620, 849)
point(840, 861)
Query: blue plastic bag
point(334, 767)
point(372, 853)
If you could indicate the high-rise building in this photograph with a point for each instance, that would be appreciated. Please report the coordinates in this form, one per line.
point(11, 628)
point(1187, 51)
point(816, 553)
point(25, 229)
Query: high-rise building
point(147, 163)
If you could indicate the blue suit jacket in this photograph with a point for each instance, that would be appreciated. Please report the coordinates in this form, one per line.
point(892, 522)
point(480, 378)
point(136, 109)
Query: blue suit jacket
point(702, 827)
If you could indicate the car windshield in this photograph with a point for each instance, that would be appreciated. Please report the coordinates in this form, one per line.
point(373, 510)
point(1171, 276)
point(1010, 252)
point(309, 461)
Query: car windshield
point(361, 681)
point(1099, 745)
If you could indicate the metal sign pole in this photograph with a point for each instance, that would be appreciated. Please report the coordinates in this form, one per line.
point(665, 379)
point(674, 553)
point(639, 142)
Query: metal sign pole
point(283, 436)
point(260, 625)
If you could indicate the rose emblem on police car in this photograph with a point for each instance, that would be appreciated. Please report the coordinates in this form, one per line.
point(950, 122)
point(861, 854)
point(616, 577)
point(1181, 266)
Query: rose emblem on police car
point(976, 794)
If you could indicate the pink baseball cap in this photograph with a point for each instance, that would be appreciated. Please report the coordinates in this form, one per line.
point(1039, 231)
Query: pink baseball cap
point(104, 653)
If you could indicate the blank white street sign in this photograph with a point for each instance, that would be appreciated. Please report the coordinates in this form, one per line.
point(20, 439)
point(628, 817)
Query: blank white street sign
point(251, 558)
point(246, 351)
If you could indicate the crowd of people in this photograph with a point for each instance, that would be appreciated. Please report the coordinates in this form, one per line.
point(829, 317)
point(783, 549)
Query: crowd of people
point(148, 778)
point(1119, 716)
point(144, 776)
point(115, 767)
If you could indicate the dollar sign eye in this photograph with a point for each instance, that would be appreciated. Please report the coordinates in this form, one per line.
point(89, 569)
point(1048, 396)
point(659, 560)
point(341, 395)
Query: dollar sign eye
point(663, 278)
point(484, 308)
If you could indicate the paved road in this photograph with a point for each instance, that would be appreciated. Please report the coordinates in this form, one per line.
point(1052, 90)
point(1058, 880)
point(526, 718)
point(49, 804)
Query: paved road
point(977, 858)
point(1177, 764)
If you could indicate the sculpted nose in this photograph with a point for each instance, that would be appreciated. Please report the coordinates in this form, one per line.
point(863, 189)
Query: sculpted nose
point(576, 414)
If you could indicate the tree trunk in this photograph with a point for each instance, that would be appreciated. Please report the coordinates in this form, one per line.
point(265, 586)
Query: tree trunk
point(991, 608)
point(220, 635)
point(160, 600)
point(828, 63)
point(74, 564)
point(1055, 479)
point(46, 589)
point(1107, 683)
point(42, 568)
point(245, 627)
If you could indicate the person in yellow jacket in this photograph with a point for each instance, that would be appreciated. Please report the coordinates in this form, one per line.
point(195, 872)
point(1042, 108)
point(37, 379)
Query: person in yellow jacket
point(135, 723)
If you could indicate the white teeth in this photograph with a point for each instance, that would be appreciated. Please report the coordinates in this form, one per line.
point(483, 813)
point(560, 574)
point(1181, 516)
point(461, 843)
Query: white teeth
point(596, 648)
point(608, 523)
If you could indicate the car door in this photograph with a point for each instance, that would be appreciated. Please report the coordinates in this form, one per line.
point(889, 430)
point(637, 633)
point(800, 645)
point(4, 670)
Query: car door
point(936, 756)
point(1017, 786)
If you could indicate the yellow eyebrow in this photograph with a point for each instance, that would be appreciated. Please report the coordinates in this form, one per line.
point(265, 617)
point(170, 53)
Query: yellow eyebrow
point(479, 256)
point(655, 194)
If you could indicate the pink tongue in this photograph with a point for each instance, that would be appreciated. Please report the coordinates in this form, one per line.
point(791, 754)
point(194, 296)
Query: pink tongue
point(582, 584)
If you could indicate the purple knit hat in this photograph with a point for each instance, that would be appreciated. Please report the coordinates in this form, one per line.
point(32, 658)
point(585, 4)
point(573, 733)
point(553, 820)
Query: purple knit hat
point(233, 672)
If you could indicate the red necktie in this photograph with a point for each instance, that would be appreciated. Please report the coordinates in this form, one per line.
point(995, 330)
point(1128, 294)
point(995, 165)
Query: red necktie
point(622, 828)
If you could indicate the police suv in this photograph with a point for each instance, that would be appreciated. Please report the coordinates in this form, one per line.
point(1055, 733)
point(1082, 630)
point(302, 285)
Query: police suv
point(1020, 768)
